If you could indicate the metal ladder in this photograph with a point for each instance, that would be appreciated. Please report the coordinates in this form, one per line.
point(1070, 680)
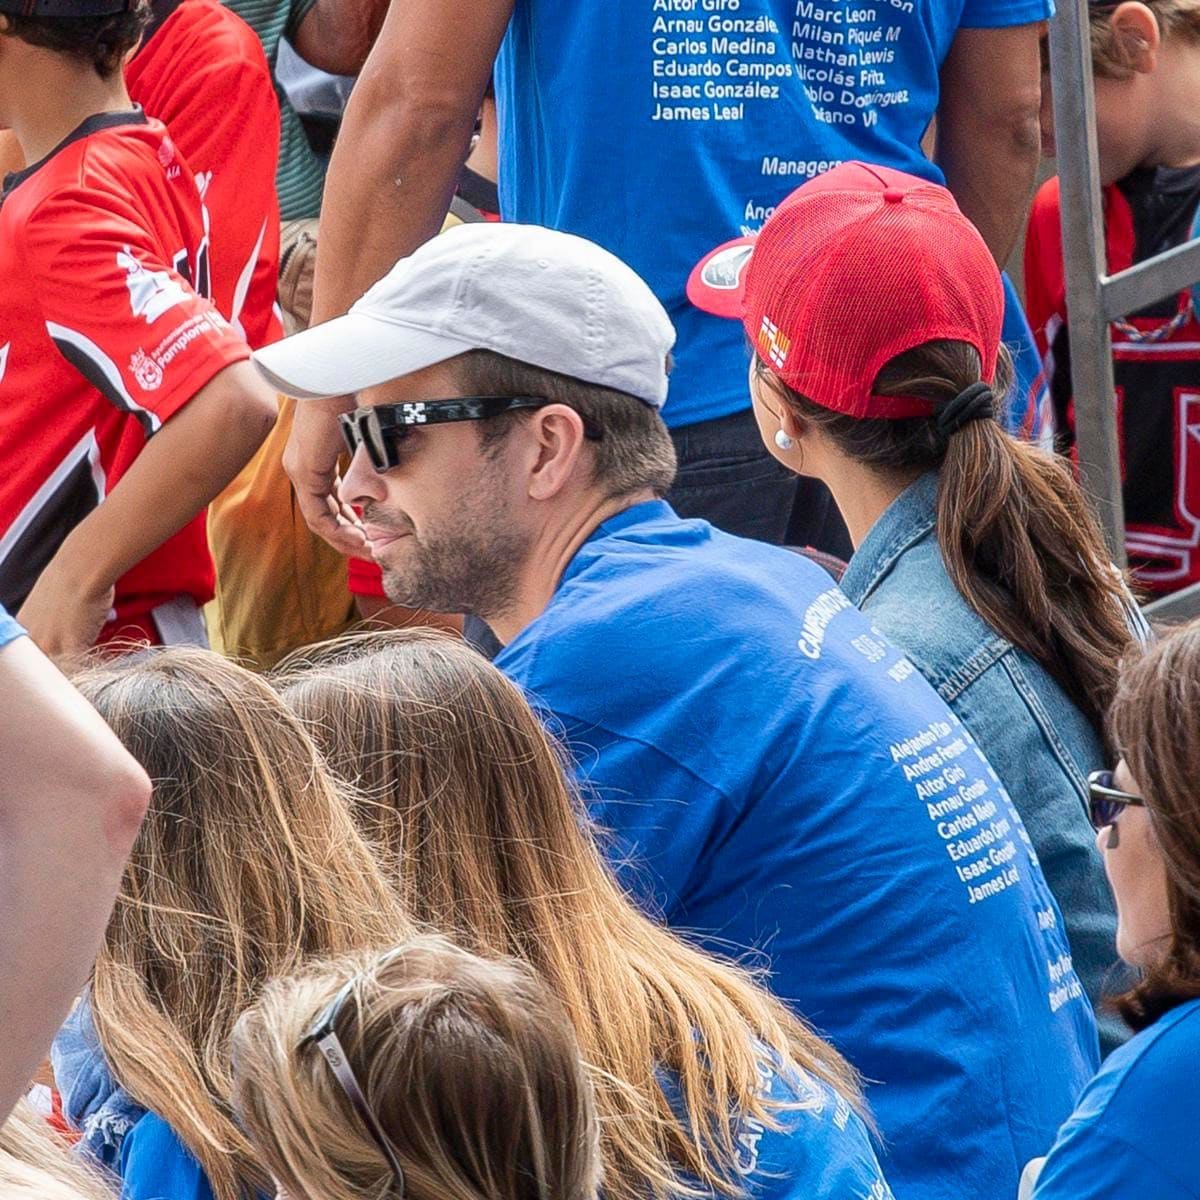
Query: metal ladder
point(1094, 298)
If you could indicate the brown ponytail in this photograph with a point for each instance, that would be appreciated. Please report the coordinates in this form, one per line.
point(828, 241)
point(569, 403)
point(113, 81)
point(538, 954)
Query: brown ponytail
point(1016, 534)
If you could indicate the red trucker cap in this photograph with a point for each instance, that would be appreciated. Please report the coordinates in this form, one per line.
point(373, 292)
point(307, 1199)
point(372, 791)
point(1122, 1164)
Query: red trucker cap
point(854, 268)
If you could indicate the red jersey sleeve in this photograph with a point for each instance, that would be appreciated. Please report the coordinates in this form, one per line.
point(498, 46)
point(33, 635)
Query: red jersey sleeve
point(120, 307)
point(240, 192)
point(1045, 280)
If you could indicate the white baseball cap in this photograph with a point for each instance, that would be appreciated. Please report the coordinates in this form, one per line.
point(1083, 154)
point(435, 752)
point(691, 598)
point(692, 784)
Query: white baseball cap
point(545, 298)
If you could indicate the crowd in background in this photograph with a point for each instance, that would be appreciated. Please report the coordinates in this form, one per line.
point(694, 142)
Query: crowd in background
point(591, 669)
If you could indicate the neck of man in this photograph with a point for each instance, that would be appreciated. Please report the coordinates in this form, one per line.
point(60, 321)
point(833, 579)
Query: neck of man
point(57, 95)
point(550, 555)
point(1178, 78)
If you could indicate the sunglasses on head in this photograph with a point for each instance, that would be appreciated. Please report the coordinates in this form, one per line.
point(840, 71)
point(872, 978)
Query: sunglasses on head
point(1106, 803)
point(380, 429)
point(323, 1035)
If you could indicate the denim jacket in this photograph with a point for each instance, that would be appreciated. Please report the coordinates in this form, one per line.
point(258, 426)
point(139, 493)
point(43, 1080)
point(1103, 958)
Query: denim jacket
point(1038, 742)
point(136, 1146)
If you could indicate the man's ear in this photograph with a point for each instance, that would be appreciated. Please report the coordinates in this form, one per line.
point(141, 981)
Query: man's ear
point(1135, 29)
point(559, 435)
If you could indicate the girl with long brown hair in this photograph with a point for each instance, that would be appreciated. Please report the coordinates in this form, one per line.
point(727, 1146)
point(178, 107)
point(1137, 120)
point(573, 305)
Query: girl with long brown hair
point(1133, 1134)
point(457, 1078)
point(875, 312)
point(705, 1082)
point(247, 866)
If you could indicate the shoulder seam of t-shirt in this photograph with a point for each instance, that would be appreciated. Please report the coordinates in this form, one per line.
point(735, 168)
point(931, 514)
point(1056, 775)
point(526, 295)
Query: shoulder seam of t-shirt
point(1129, 1071)
point(561, 716)
point(1188, 1186)
point(97, 123)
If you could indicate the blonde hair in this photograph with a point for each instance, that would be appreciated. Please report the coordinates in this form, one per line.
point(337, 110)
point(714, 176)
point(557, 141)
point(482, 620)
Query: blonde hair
point(1114, 51)
point(248, 864)
point(468, 797)
point(36, 1164)
point(470, 1066)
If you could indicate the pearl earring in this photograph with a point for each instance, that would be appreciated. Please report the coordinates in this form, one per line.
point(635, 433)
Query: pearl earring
point(783, 441)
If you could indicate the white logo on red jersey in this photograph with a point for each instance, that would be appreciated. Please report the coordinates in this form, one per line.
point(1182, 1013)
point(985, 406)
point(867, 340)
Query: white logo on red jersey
point(151, 293)
point(166, 156)
point(146, 371)
point(4, 359)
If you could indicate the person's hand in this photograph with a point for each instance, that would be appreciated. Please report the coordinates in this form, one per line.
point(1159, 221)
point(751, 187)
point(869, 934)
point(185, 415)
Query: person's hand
point(63, 616)
point(311, 462)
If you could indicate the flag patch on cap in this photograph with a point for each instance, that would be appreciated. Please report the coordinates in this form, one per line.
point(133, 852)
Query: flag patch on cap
point(773, 344)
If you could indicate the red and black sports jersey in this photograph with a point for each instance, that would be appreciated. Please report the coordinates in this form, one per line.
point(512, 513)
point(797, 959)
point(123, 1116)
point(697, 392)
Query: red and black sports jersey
point(104, 335)
point(202, 72)
point(1158, 382)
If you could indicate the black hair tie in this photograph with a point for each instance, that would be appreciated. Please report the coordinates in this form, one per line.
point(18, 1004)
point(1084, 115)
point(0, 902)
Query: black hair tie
point(976, 403)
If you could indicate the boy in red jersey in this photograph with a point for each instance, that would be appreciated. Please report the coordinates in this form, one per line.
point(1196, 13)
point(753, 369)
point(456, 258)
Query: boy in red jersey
point(1146, 58)
point(125, 401)
point(201, 70)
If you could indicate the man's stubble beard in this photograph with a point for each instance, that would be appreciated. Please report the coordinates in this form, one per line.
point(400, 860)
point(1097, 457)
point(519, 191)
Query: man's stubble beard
point(468, 570)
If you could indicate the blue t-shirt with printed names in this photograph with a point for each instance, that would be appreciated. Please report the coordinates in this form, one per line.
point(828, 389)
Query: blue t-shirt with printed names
point(773, 774)
point(9, 629)
point(661, 128)
point(821, 1150)
point(1133, 1136)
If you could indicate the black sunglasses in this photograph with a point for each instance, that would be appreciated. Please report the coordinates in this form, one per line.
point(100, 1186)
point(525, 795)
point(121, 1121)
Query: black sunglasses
point(381, 428)
point(1106, 804)
point(323, 1035)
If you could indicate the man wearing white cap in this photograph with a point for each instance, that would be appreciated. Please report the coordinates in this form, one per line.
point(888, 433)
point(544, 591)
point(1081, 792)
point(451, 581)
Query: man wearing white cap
point(756, 749)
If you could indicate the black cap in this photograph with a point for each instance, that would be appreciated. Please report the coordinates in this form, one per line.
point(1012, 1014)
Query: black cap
point(63, 9)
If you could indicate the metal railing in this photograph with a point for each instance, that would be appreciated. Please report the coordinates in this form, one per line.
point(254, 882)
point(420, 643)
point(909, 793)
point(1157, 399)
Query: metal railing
point(1095, 298)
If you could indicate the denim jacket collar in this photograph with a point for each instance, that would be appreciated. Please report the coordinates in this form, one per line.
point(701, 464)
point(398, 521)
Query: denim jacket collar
point(906, 521)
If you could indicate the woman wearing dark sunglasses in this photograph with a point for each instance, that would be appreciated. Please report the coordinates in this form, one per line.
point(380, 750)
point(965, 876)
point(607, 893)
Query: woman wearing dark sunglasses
point(1133, 1134)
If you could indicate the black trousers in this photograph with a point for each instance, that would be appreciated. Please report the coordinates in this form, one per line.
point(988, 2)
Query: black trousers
point(728, 477)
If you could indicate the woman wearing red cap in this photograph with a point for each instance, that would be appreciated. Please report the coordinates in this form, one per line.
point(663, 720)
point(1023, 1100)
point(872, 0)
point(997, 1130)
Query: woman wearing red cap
point(874, 310)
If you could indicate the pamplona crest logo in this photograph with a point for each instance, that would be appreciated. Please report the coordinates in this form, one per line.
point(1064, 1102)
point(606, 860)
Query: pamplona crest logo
point(146, 371)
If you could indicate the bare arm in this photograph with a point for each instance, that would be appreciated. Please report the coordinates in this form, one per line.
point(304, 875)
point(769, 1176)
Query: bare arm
point(337, 35)
point(71, 801)
point(184, 466)
point(988, 138)
point(391, 178)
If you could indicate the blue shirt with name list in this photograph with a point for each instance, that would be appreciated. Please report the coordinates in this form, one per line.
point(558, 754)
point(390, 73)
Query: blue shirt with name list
point(662, 128)
point(773, 775)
